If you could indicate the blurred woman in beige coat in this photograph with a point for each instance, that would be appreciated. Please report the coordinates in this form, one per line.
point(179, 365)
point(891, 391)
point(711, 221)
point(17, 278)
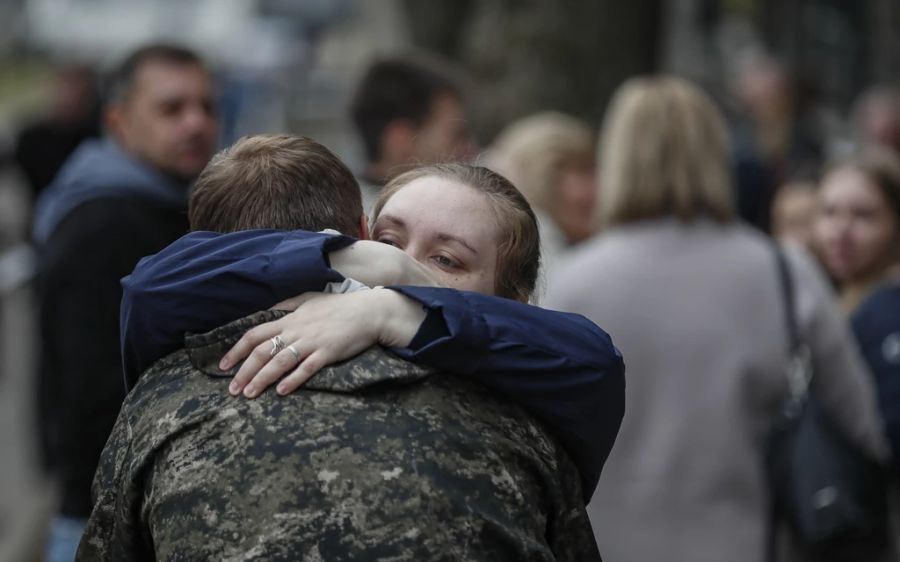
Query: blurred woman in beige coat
point(692, 298)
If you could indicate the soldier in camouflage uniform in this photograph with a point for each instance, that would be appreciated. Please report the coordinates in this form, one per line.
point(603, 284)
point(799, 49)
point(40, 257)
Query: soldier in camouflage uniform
point(372, 459)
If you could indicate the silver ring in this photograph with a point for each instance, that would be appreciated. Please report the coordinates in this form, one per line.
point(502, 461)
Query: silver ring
point(294, 351)
point(277, 345)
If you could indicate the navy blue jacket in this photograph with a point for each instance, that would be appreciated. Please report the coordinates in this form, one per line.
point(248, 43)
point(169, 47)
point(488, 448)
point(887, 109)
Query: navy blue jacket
point(560, 367)
point(876, 325)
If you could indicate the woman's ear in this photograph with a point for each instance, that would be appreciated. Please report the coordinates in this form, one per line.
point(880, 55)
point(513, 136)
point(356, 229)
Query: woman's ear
point(363, 227)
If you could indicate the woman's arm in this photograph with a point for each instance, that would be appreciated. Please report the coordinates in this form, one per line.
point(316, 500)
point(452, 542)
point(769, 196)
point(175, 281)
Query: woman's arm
point(373, 263)
point(324, 329)
point(204, 280)
point(560, 367)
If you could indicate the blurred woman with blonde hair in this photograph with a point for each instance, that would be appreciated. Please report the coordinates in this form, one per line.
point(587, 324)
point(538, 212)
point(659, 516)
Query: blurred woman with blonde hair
point(692, 298)
point(550, 157)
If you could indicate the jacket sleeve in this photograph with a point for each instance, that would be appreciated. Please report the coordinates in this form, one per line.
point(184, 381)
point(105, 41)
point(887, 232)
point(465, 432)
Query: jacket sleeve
point(205, 280)
point(569, 532)
point(111, 533)
point(841, 382)
point(560, 367)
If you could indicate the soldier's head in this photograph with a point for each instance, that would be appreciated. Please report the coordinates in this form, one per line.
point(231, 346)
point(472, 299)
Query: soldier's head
point(282, 182)
point(469, 225)
point(161, 109)
point(410, 113)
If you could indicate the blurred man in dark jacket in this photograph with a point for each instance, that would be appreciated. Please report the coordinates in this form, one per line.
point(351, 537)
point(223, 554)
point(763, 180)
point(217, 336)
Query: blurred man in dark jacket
point(408, 113)
point(113, 202)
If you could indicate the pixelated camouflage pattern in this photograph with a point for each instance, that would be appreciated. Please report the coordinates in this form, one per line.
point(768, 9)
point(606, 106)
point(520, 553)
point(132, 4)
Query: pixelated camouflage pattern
point(372, 460)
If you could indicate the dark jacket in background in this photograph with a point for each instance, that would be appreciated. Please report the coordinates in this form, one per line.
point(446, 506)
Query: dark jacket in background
point(103, 213)
point(372, 459)
point(44, 146)
point(757, 177)
point(876, 325)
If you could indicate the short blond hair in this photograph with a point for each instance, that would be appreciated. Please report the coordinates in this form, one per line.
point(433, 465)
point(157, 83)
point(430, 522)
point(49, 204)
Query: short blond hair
point(534, 151)
point(278, 181)
point(664, 152)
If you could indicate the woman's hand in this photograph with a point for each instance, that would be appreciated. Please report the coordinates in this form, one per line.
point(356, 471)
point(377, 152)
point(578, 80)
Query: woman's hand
point(324, 329)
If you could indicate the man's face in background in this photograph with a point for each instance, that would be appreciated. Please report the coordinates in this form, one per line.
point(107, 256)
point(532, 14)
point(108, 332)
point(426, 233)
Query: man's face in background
point(168, 117)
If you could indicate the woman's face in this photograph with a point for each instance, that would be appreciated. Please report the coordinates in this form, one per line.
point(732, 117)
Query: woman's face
point(857, 235)
point(447, 226)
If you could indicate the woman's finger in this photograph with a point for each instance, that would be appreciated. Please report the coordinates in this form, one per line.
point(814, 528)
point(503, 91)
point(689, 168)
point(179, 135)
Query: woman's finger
point(277, 366)
point(252, 365)
point(309, 367)
point(250, 340)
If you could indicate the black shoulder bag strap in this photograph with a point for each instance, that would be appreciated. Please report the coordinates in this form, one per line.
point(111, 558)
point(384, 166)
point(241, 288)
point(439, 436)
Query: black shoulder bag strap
point(787, 290)
point(786, 284)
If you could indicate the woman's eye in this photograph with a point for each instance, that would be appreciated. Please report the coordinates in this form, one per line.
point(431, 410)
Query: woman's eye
point(445, 262)
point(388, 241)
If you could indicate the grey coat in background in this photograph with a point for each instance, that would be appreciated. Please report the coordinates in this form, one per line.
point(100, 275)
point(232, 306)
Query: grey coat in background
point(697, 312)
point(373, 459)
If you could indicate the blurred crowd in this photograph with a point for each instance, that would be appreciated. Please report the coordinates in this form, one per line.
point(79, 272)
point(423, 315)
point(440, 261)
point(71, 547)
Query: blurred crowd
point(657, 225)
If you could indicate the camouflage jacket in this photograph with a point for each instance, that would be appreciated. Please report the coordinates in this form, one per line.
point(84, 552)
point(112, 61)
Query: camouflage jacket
point(373, 459)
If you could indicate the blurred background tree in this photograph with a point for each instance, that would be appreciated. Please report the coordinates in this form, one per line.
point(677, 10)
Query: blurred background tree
point(529, 55)
point(526, 55)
